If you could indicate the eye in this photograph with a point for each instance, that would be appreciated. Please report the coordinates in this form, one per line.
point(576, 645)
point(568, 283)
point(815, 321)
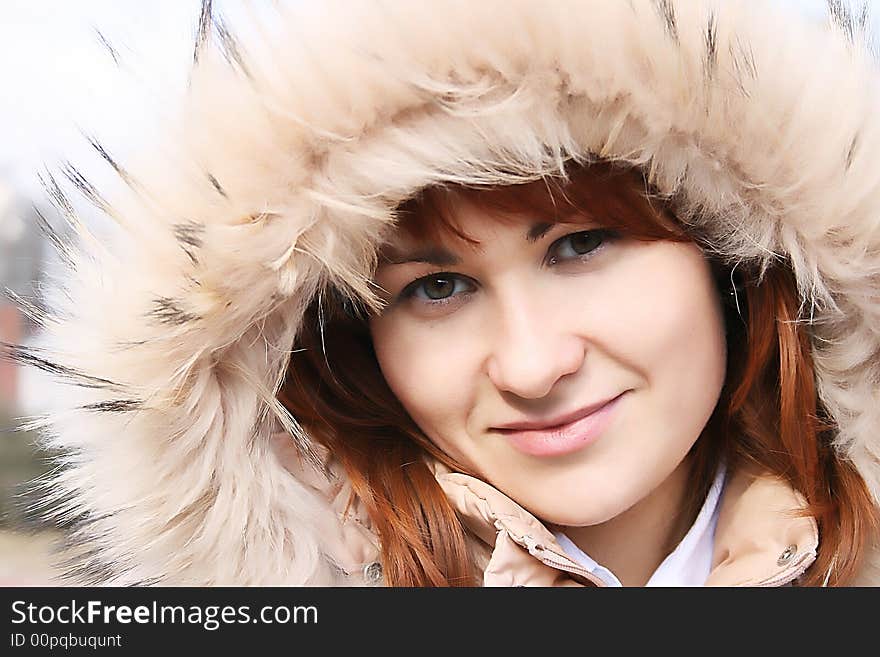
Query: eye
point(578, 246)
point(437, 288)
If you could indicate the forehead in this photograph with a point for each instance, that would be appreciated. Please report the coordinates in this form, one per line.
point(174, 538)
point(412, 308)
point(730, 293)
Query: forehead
point(441, 220)
point(440, 212)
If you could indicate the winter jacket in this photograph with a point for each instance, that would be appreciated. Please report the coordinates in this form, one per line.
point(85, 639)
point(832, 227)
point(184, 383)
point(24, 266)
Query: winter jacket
point(759, 540)
point(279, 179)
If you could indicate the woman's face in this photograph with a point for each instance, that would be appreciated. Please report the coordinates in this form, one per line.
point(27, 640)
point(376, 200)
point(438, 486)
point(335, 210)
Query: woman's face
point(540, 324)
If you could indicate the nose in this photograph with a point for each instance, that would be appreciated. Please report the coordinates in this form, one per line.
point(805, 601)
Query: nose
point(534, 348)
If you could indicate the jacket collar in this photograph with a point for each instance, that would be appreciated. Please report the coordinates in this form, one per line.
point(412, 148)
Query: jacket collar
point(760, 539)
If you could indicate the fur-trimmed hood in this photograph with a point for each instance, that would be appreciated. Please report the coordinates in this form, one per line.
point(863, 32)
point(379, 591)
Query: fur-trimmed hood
point(280, 180)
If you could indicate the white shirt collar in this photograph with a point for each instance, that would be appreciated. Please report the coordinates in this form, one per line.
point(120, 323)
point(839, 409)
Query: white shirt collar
point(688, 564)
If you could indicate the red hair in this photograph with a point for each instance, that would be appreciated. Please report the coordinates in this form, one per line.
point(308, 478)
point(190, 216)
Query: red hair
point(768, 414)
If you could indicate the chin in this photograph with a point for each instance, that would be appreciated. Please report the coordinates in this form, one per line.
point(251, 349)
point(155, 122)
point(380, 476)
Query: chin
point(575, 515)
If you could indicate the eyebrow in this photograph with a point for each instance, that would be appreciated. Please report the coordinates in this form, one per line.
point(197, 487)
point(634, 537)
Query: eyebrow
point(538, 230)
point(440, 257)
point(433, 255)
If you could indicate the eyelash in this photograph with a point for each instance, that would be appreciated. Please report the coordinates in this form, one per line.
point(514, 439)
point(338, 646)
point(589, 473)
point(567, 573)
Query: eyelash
point(409, 292)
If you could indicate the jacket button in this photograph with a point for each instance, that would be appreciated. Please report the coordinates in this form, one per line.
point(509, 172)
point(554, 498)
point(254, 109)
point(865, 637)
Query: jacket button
point(786, 555)
point(373, 573)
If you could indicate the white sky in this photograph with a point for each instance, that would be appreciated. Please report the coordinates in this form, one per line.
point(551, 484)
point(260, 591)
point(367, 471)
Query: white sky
point(56, 77)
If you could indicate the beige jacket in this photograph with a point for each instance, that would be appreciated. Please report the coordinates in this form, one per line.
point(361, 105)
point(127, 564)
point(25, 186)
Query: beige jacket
point(759, 541)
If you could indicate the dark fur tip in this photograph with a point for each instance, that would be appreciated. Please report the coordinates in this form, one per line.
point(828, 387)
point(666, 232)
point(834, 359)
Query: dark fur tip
point(206, 21)
point(114, 406)
point(217, 186)
point(168, 311)
point(667, 13)
point(30, 357)
point(189, 233)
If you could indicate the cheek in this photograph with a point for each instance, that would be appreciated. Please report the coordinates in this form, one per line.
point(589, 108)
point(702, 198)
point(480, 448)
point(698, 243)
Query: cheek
point(656, 323)
point(429, 378)
point(691, 343)
point(671, 328)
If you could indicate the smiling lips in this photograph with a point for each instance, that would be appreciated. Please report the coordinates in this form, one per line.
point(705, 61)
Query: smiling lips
point(562, 435)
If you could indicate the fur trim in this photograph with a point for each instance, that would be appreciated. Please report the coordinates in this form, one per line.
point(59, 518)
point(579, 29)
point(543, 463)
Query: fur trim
point(280, 181)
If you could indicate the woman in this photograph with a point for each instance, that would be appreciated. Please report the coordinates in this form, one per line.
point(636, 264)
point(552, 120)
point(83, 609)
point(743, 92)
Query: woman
point(501, 294)
point(598, 379)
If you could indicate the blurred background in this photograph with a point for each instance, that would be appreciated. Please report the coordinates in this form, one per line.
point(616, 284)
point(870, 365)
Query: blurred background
point(68, 70)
